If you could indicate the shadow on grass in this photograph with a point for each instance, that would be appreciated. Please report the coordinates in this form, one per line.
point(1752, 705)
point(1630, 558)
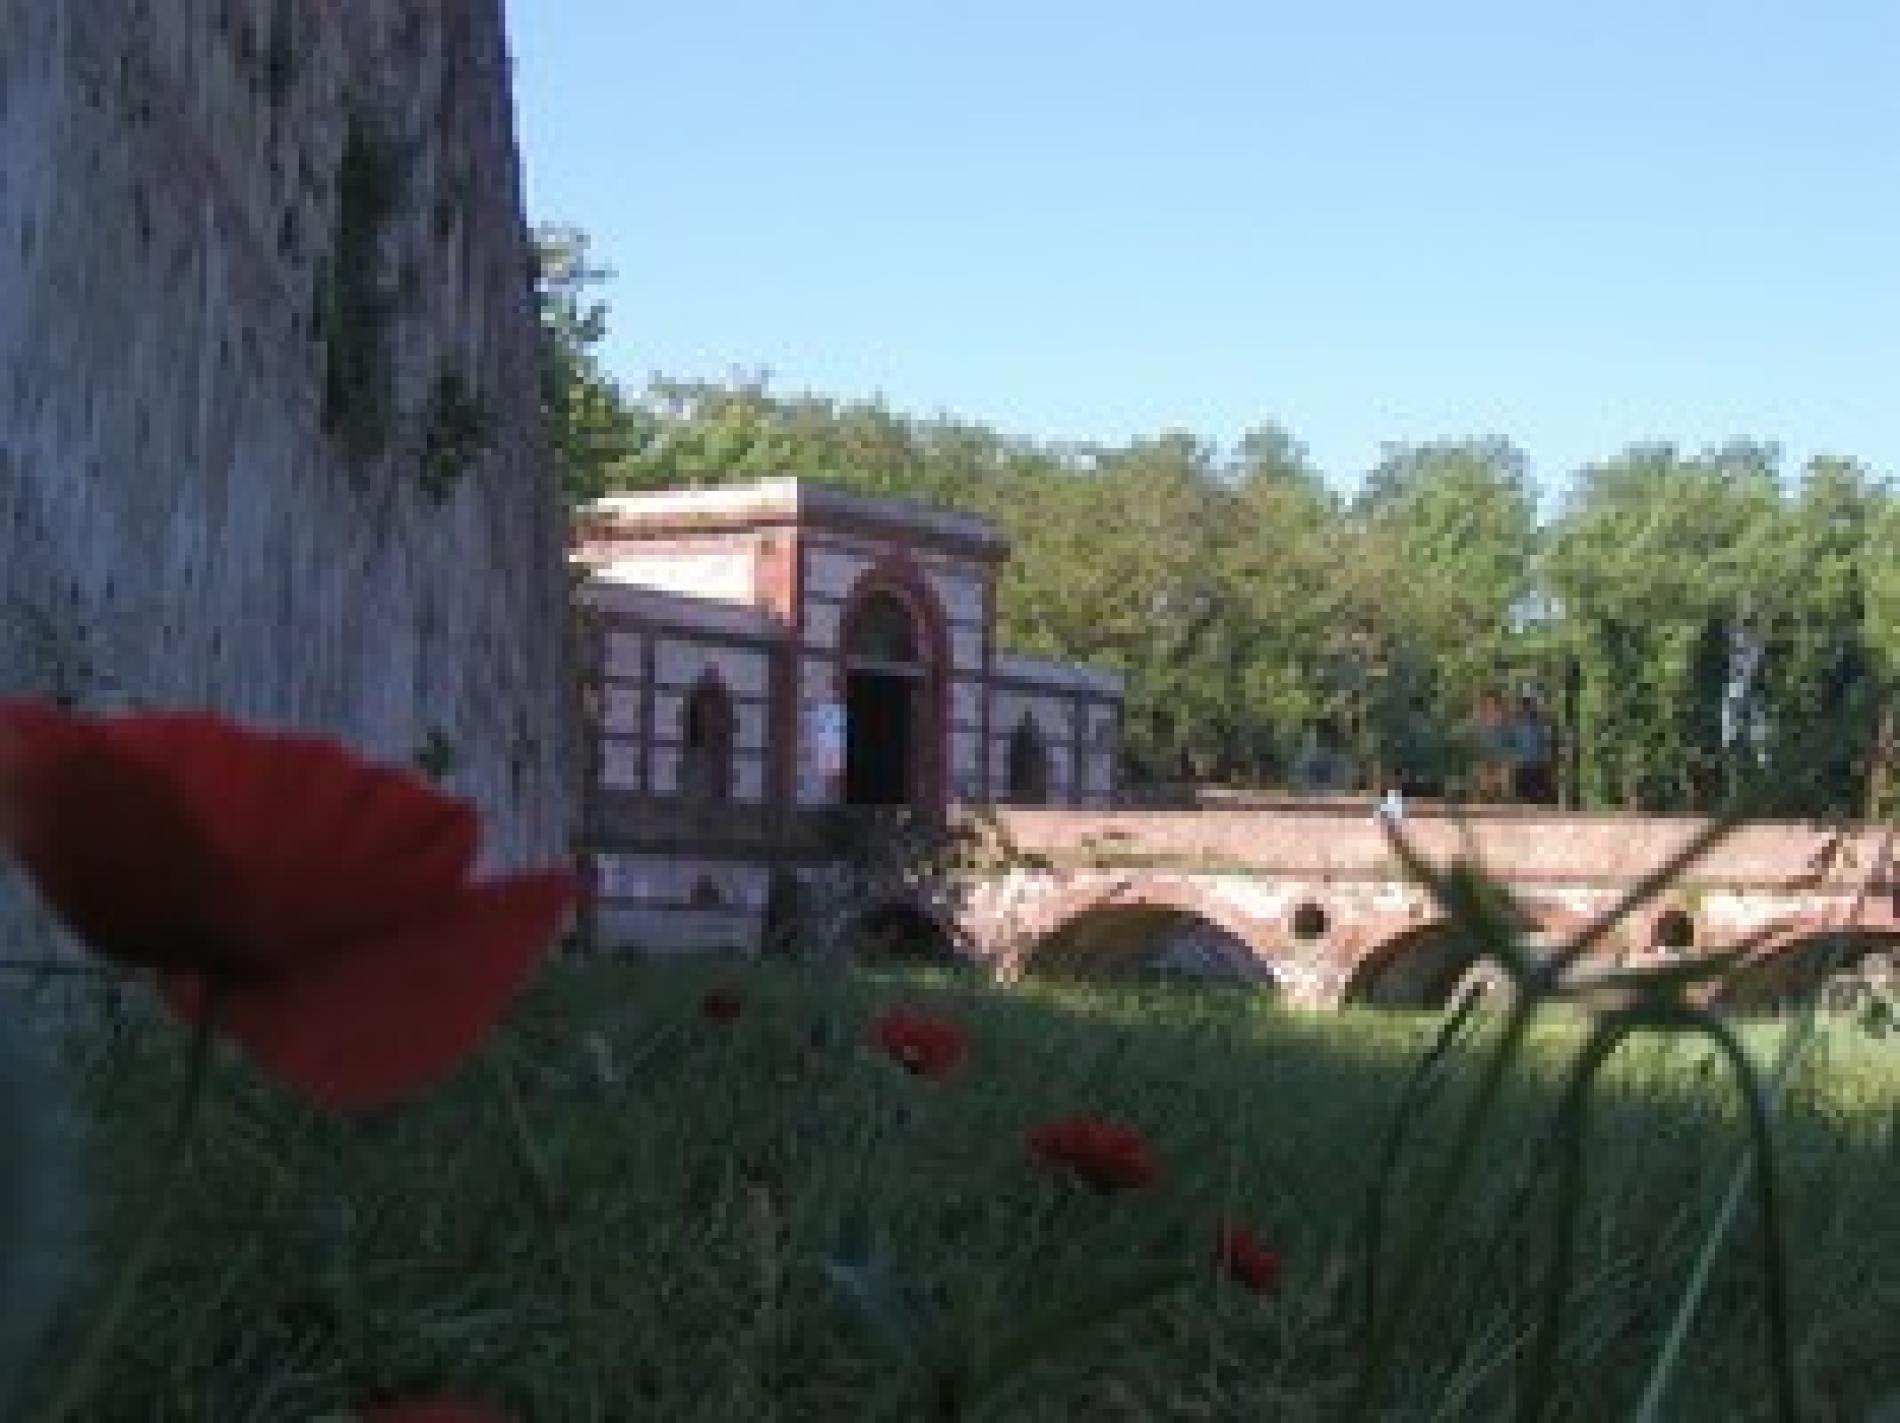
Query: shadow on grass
point(702, 1171)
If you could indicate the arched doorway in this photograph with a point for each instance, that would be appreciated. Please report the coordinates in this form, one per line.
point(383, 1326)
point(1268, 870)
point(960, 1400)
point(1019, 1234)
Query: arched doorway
point(890, 693)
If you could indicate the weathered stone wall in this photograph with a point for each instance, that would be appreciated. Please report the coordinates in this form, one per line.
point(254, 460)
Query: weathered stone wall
point(268, 406)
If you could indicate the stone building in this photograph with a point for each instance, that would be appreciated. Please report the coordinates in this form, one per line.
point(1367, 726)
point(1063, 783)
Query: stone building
point(754, 655)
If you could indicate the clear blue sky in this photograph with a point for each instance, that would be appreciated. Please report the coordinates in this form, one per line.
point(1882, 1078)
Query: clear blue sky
point(1579, 225)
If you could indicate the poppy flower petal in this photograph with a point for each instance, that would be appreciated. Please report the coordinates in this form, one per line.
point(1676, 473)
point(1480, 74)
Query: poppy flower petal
point(1105, 1154)
point(383, 1019)
point(306, 815)
point(111, 846)
point(925, 1046)
point(1247, 1260)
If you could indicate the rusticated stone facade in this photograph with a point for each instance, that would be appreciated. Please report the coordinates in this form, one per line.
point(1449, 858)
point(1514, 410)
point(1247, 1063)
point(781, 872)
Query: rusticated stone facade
point(269, 438)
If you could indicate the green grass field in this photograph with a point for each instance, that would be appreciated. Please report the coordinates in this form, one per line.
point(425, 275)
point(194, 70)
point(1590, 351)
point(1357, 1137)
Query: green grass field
point(662, 1253)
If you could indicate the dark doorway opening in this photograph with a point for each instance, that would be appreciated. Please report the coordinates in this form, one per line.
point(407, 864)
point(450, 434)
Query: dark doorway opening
point(890, 696)
point(705, 772)
point(880, 729)
point(1028, 765)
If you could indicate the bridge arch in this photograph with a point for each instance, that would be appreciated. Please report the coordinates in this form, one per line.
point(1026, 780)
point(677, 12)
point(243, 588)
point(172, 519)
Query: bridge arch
point(1840, 963)
point(1418, 966)
point(1157, 926)
point(1428, 963)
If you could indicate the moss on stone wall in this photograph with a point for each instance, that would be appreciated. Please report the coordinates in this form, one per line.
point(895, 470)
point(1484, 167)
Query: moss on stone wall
point(458, 428)
point(355, 302)
point(223, 421)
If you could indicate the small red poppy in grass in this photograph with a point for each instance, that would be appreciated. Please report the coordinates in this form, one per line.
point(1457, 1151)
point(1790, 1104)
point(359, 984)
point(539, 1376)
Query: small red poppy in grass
point(1240, 1253)
point(722, 1005)
point(1106, 1155)
point(926, 1046)
point(317, 906)
point(429, 1410)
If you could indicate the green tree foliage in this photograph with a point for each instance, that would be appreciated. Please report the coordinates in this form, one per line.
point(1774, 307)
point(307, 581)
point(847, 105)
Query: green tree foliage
point(1819, 669)
point(1449, 531)
point(1880, 579)
point(1721, 626)
point(1689, 618)
point(1283, 547)
point(592, 429)
point(1657, 566)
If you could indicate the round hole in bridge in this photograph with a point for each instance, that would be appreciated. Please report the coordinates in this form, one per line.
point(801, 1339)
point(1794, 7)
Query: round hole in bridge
point(705, 893)
point(1310, 921)
point(1674, 930)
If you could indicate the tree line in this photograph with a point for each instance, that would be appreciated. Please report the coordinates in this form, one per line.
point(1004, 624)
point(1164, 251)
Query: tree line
point(1686, 619)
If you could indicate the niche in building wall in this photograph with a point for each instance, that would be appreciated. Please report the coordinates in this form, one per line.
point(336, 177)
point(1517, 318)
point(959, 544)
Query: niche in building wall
point(1028, 764)
point(706, 736)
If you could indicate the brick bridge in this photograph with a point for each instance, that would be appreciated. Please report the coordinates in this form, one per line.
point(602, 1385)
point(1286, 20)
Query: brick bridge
point(1312, 900)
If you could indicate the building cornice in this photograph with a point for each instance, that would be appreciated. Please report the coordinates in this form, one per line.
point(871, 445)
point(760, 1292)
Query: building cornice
point(777, 503)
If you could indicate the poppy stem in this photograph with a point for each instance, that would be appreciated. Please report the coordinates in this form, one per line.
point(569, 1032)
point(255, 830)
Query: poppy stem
point(548, 1207)
point(82, 1375)
point(540, 1179)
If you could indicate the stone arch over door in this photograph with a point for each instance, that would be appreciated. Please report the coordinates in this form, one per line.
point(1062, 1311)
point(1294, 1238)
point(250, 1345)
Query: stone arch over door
point(894, 675)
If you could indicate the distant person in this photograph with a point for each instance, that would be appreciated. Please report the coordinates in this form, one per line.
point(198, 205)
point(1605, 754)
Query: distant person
point(1392, 805)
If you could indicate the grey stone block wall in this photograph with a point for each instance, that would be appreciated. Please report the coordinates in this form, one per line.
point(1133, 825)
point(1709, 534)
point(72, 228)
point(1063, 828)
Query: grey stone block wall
point(190, 273)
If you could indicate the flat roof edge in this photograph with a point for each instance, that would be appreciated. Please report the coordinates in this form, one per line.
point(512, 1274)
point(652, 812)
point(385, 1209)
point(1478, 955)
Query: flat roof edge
point(793, 500)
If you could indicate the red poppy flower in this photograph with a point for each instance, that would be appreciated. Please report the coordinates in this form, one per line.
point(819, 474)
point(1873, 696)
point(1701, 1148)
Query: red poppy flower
point(722, 1005)
point(928, 1047)
point(322, 902)
point(1107, 1155)
point(1242, 1256)
point(429, 1410)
